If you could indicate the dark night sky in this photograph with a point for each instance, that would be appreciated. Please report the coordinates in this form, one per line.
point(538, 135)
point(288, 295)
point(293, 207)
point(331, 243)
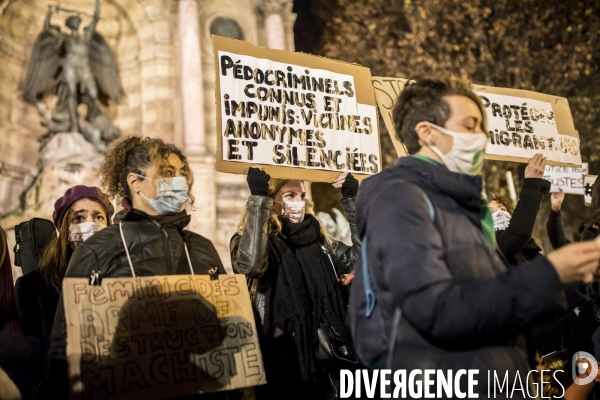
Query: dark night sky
point(308, 28)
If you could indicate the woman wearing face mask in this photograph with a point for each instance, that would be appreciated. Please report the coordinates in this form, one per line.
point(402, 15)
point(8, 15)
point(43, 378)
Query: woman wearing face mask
point(513, 233)
point(149, 239)
point(295, 267)
point(447, 299)
point(80, 213)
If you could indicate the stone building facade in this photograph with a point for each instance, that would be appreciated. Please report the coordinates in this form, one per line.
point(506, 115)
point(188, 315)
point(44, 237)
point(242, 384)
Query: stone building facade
point(164, 54)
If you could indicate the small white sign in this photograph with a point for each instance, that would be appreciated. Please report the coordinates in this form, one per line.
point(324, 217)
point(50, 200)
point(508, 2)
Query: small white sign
point(569, 179)
point(588, 182)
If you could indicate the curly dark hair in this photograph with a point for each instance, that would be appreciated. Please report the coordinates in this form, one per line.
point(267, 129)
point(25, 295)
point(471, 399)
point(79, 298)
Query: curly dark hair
point(423, 100)
point(506, 202)
point(136, 154)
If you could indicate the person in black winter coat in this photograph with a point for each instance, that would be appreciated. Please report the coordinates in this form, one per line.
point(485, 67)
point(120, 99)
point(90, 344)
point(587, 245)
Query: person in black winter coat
point(554, 225)
point(591, 222)
point(514, 235)
point(78, 214)
point(296, 269)
point(588, 230)
point(447, 299)
point(156, 179)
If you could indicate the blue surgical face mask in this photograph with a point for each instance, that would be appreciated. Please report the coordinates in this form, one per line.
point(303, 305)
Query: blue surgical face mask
point(172, 195)
point(501, 219)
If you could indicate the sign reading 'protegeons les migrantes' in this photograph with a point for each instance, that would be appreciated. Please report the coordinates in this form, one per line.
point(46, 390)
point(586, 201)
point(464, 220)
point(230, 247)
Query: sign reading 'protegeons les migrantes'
point(521, 123)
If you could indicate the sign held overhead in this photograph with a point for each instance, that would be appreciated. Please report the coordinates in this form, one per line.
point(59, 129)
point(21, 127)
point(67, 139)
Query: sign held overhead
point(521, 123)
point(588, 183)
point(297, 116)
point(569, 179)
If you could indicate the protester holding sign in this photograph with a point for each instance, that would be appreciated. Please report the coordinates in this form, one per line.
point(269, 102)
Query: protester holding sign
point(78, 214)
point(447, 299)
point(554, 225)
point(591, 222)
point(513, 233)
point(150, 240)
point(295, 267)
point(292, 112)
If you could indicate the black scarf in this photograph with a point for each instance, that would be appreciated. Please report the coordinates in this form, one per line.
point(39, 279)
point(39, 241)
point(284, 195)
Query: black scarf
point(303, 293)
point(179, 220)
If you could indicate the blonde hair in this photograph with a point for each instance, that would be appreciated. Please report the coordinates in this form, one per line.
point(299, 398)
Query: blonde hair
point(275, 225)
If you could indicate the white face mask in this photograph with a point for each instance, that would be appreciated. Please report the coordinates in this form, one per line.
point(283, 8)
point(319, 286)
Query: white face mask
point(172, 195)
point(293, 211)
point(79, 233)
point(501, 219)
point(466, 154)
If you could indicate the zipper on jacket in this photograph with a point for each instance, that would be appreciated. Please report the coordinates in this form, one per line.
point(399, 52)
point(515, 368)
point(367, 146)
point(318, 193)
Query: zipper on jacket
point(330, 260)
point(166, 247)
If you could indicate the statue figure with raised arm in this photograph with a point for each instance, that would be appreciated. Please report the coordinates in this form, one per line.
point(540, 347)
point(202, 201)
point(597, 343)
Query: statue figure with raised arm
point(77, 68)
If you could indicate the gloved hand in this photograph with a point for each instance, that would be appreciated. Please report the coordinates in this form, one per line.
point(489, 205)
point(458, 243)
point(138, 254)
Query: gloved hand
point(258, 182)
point(349, 187)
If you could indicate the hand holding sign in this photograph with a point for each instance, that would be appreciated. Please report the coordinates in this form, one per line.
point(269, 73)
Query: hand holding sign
point(348, 183)
point(349, 186)
point(258, 182)
point(556, 199)
point(299, 116)
point(536, 166)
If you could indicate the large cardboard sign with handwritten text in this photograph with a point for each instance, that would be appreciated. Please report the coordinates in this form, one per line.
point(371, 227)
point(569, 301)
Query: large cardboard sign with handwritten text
point(295, 115)
point(159, 337)
point(520, 123)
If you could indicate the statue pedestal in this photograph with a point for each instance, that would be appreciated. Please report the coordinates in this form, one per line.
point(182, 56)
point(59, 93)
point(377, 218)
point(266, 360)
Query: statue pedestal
point(65, 160)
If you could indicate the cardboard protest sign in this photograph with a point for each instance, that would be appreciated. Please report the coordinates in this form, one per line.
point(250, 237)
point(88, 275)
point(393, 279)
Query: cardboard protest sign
point(569, 179)
point(161, 336)
point(387, 91)
point(295, 115)
point(521, 123)
point(588, 182)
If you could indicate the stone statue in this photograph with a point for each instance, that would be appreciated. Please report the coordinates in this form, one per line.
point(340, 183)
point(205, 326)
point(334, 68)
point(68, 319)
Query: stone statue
point(78, 69)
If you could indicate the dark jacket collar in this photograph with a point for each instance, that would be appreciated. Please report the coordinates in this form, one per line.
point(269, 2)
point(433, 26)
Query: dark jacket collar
point(177, 221)
point(464, 189)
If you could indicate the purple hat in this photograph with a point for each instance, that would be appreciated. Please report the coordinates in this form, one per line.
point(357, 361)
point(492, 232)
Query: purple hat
point(76, 193)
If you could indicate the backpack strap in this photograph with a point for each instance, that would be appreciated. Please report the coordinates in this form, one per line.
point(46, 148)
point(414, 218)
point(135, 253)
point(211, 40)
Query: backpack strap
point(126, 250)
point(369, 293)
point(430, 207)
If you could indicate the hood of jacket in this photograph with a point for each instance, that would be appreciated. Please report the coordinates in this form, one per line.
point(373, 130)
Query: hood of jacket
point(463, 189)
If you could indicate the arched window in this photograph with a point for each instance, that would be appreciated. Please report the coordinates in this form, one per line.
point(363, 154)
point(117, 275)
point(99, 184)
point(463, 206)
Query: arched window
point(226, 27)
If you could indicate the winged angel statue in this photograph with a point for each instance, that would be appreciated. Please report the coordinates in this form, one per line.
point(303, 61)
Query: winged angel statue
point(78, 69)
